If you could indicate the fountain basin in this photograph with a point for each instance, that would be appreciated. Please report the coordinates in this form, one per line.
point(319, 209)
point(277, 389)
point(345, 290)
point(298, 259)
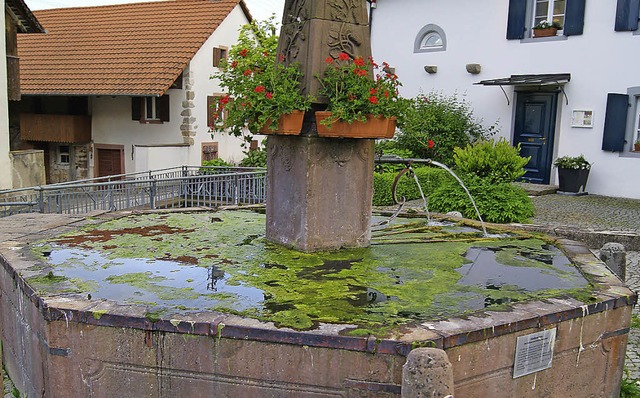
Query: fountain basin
point(62, 342)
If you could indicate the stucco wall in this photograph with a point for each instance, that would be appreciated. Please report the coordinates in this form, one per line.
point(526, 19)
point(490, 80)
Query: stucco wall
point(112, 122)
point(28, 168)
point(600, 61)
point(5, 160)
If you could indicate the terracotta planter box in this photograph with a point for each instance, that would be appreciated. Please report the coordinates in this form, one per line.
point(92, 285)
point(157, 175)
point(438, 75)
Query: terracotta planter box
point(548, 32)
point(289, 124)
point(374, 127)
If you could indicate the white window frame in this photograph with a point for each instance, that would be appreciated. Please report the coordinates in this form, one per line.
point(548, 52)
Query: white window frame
point(425, 32)
point(155, 112)
point(64, 154)
point(633, 128)
point(550, 14)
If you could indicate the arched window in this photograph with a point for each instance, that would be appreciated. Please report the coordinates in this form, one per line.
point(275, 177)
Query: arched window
point(430, 38)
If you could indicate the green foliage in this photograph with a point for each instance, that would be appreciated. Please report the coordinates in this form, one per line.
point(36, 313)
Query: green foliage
point(629, 388)
point(257, 158)
point(497, 202)
point(429, 177)
point(216, 163)
point(353, 94)
point(572, 162)
point(497, 162)
point(432, 125)
point(260, 87)
point(212, 166)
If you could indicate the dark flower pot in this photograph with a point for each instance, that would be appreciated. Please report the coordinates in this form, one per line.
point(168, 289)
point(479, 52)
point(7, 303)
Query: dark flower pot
point(573, 181)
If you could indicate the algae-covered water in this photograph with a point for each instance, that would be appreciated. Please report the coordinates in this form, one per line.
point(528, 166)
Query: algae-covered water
point(190, 262)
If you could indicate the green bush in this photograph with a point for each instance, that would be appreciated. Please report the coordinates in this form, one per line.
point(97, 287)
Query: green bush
point(497, 162)
point(257, 158)
point(434, 124)
point(497, 202)
point(429, 177)
point(216, 163)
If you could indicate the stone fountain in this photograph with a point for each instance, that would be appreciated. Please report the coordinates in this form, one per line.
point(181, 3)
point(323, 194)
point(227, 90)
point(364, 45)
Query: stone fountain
point(64, 335)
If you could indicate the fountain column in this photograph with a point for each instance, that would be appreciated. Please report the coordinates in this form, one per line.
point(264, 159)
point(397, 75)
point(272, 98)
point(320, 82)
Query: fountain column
point(319, 190)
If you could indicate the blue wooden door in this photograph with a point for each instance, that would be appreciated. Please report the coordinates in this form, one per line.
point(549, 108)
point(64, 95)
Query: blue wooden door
point(534, 130)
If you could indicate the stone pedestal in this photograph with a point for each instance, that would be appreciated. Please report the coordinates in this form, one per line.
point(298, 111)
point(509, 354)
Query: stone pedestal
point(319, 192)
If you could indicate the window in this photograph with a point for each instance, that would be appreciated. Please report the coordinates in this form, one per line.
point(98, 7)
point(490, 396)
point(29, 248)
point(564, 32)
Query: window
point(622, 122)
point(215, 111)
point(219, 53)
point(549, 10)
point(636, 122)
point(209, 151)
point(525, 14)
point(64, 154)
point(150, 109)
point(430, 38)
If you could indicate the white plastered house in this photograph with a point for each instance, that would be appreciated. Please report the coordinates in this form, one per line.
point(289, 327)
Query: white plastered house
point(577, 92)
point(125, 88)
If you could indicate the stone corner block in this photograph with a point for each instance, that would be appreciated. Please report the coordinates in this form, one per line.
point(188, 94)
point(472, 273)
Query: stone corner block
point(427, 373)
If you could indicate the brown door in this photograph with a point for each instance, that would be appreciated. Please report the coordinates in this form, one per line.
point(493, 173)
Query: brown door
point(109, 162)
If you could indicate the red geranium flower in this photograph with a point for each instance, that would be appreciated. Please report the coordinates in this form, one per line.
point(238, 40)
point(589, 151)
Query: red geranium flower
point(329, 60)
point(431, 144)
point(373, 100)
point(224, 100)
point(343, 56)
point(266, 53)
point(247, 72)
point(244, 52)
point(234, 64)
point(259, 89)
point(281, 57)
point(358, 61)
point(268, 95)
point(360, 72)
point(373, 91)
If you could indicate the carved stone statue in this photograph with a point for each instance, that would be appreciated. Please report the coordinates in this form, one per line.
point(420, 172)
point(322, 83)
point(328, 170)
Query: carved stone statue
point(313, 30)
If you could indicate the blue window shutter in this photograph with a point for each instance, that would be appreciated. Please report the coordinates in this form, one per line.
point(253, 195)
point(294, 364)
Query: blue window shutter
point(615, 122)
point(627, 15)
point(516, 22)
point(574, 17)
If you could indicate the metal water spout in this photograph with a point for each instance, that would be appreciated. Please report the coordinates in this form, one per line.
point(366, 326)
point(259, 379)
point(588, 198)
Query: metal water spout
point(394, 159)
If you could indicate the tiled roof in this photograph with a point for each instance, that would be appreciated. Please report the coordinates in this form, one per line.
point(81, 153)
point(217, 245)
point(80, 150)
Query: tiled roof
point(26, 21)
point(126, 49)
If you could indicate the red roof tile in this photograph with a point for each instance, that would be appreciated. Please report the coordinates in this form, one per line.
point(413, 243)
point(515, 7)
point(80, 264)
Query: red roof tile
point(126, 49)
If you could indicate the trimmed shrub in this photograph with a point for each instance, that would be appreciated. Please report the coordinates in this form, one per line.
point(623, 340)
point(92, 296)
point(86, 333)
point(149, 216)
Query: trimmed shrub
point(434, 124)
point(497, 162)
point(497, 202)
point(429, 177)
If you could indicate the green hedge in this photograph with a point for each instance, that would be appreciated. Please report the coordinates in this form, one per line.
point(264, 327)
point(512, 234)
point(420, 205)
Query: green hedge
point(429, 177)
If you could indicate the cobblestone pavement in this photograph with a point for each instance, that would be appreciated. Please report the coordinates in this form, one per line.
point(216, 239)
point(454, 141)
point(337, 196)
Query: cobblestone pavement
point(632, 362)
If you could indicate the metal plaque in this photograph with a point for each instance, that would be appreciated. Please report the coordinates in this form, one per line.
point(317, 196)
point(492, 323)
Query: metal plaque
point(534, 352)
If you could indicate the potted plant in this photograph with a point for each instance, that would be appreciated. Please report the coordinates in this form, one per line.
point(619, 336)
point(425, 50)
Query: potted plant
point(546, 29)
point(263, 94)
point(359, 106)
point(636, 145)
point(573, 172)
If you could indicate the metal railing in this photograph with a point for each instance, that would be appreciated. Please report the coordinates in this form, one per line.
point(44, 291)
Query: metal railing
point(187, 186)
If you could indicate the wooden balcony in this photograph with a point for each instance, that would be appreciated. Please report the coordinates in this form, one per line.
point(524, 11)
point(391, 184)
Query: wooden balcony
point(55, 128)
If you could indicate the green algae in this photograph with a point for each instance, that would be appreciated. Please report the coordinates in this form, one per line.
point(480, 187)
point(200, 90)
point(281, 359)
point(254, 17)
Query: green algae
point(98, 314)
point(374, 288)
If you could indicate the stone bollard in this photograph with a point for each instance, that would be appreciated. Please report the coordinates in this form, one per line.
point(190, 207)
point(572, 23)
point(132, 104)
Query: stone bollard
point(615, 257)
point(427, 373)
